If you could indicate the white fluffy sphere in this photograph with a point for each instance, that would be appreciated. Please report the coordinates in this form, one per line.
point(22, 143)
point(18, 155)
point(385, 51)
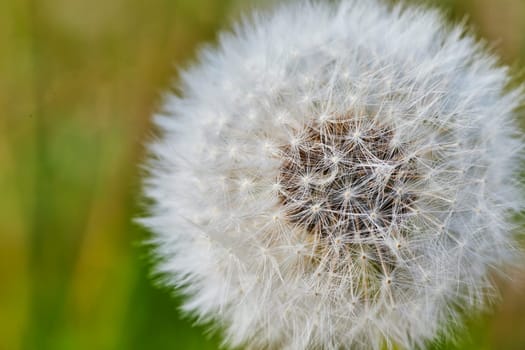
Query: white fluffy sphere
point(336, 175)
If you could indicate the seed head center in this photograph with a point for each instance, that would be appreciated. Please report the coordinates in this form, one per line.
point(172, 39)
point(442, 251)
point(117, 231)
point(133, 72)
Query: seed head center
point(345, 178)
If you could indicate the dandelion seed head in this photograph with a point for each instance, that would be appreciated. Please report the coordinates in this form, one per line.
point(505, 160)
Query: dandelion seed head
point(336, 175)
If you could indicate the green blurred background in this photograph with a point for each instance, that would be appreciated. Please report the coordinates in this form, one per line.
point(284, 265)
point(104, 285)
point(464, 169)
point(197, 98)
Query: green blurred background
point(79, 80)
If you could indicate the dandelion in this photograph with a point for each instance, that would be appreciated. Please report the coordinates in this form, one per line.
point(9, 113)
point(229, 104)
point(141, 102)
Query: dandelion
point(336, 175)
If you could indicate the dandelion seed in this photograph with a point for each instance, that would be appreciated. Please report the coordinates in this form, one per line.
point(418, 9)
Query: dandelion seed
point(351, 197)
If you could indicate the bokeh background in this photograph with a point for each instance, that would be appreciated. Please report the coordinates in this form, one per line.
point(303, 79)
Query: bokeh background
point(79, 80)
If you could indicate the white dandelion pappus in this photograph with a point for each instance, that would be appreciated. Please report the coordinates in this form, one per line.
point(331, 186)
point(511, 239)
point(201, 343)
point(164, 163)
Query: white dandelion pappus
point(336, 176)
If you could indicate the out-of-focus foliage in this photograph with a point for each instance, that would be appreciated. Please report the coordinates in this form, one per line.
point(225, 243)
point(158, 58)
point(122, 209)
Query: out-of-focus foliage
point(79, 81)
